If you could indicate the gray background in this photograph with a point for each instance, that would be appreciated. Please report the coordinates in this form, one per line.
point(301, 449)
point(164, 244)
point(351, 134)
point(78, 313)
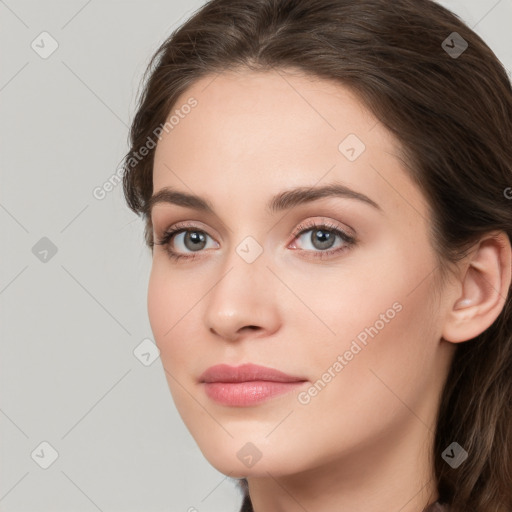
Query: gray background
point(70, 323)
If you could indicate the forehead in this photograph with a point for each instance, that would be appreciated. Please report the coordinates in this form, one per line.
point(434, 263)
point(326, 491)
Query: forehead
point(268, 111)
point(256, 133)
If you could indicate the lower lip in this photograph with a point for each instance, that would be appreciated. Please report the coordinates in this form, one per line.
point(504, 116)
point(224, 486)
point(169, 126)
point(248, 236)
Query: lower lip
point(247, 393)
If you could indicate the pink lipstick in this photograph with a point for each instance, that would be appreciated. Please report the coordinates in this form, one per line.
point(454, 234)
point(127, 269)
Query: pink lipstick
point(246, 385)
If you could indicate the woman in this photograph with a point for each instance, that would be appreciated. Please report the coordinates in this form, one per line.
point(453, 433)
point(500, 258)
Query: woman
point(342, 340)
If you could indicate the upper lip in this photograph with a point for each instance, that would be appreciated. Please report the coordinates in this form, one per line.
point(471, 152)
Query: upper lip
point(244, 373)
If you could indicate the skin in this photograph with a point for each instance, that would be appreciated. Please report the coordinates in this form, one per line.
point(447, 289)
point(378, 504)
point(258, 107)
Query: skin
point(363, 442)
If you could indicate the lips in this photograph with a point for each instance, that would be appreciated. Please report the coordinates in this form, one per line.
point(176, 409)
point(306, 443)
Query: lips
point(246, 385)
point(245, 373)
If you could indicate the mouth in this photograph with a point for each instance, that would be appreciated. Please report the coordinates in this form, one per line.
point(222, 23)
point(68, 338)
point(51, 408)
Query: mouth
point(246, 385)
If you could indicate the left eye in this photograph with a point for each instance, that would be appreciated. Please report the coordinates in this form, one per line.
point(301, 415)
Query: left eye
point(322, 238)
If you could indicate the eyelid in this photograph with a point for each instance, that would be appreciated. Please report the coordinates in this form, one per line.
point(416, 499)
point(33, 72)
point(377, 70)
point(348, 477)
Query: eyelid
point(299, 229)
point(187, 225)
point(322, 222)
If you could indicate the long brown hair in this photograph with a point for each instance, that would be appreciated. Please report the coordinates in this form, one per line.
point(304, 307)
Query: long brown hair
point(445, 96)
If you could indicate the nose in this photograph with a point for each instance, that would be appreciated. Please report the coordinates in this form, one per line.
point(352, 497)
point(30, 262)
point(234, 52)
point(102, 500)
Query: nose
point(243, 301)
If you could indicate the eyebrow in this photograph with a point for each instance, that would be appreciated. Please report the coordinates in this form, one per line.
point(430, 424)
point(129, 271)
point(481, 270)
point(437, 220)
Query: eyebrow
point(281, 201)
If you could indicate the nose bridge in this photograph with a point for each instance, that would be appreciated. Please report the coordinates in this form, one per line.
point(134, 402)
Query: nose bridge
point(246, 258)
point(242, 296)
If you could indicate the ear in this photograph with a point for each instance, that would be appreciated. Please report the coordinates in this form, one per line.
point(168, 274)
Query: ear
point(485, 285)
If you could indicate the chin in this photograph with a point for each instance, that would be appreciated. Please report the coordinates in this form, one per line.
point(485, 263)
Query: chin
point(244, 459)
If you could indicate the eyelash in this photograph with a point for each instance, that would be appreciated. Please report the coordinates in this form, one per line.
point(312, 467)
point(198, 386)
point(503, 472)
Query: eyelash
point(350, 241)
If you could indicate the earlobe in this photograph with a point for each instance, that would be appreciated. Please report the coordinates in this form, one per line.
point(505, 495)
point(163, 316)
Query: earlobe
point(485, 287)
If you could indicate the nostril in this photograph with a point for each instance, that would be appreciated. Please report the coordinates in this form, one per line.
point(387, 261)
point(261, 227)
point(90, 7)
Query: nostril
point(252, 327)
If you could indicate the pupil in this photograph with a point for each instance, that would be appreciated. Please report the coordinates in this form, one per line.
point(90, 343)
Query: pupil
point(195, 237)
point(322, 240)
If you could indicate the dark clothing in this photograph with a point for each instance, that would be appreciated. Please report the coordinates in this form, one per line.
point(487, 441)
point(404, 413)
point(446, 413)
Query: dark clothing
point(247, 505)
point(434, 507)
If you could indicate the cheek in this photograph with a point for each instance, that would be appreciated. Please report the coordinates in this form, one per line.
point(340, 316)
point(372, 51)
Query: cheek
point(169, 302)
point(385, 340)
point(339, 302)
point(160, 303)
point(373, 310)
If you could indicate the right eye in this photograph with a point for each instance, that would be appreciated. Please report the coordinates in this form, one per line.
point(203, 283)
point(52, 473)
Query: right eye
point(186, 238)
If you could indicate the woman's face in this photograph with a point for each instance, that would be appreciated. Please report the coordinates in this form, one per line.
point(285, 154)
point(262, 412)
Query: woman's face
point(346, 308)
